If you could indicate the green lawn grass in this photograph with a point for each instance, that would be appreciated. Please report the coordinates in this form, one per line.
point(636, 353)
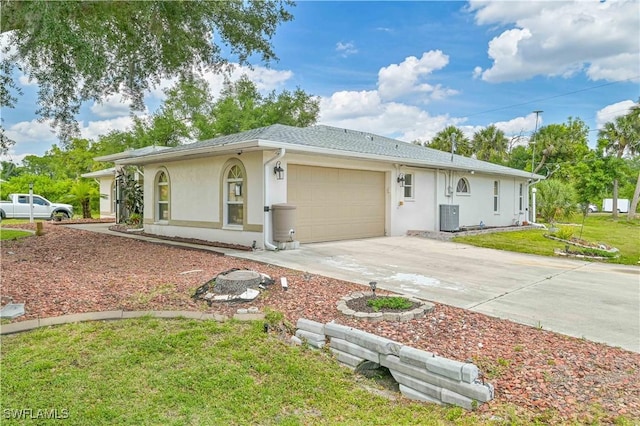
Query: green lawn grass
point(601, 228)
point(14, 221)
point(13, 234)
point(178, 372)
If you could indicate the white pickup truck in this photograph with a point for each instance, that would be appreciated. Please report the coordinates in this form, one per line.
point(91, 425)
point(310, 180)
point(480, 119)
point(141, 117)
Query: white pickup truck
point(18, 207)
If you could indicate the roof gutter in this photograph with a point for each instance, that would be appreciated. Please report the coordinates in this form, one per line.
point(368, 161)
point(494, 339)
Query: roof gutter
point(267, 176)
point(408, 162)
point(232, 147)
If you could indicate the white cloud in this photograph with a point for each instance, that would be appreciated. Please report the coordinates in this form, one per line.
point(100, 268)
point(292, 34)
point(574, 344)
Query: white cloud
point(31, 137)
point(93, 129)
point(14, 158)
point(113, 106)
point(8, 49)
point(519, 125)
point(348, 104)
point(32, 132)
point(611, 112)
point(561, 39)
point(346, 49)
point(397, 80)
point(265, 79)
point(365, 111)
point(6, 46)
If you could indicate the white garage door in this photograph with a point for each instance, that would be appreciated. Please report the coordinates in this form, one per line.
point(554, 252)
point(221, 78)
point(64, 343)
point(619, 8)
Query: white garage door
point(336, 204)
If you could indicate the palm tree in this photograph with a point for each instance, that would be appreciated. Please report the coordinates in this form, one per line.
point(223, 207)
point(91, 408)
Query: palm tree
point(556, 200)
point(81, 193)
point(442, 141)
point(490, 144)
point(620, 137)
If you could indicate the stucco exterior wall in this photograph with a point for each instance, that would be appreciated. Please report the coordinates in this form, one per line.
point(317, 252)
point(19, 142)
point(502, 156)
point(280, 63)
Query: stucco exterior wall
point(197, 196)
point(197, 199)
point(418, 212)
point(478, 204)
point(106, 191)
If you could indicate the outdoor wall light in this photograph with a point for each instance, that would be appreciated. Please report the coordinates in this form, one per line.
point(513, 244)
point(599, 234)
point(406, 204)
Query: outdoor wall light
point(373, 286)
point(278, 171)
point(401, 179)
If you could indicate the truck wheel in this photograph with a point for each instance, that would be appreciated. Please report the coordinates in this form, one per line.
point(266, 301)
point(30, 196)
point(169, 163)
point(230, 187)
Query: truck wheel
point(61, 214)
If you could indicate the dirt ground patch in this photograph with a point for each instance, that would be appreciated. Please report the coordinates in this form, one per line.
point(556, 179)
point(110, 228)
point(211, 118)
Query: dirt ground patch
point(546, 375)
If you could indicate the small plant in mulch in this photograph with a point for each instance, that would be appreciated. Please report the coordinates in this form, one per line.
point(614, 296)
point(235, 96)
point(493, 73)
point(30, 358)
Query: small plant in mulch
point(394, 303)
point(135, 220)
point(370, 303)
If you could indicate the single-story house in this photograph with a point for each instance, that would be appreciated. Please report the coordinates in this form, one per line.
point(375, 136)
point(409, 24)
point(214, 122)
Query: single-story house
point(323, 183)
point(106, 178)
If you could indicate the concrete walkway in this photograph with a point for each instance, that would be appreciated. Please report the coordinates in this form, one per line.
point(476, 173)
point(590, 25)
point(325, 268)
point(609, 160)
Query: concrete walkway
point(596, 301)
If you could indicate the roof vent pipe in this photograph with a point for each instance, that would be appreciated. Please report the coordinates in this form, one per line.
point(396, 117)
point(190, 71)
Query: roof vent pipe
point(267, 178)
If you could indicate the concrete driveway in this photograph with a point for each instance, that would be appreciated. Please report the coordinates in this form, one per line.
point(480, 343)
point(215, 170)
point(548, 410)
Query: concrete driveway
point(596, 301)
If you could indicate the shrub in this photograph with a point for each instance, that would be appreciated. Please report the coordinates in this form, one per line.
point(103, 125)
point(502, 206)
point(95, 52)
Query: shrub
point(556, 200)
point(564, 233)
point(134, 219)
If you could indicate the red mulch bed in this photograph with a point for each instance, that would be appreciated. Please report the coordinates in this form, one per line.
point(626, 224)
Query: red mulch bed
point(542, 375)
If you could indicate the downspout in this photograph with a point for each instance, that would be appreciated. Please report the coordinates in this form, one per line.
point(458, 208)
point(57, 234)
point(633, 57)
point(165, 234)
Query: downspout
point(533, 202)
point(267, 176)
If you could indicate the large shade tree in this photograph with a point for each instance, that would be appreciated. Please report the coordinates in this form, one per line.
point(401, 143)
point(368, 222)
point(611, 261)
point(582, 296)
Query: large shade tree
point(241, 107)
point(558, 145)
point(78, 51)
point(621, 137)
point(191, 113)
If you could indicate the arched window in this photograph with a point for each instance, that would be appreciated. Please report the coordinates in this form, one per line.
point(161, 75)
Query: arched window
point(234, 196)
point(162, 197)
point(463, 186)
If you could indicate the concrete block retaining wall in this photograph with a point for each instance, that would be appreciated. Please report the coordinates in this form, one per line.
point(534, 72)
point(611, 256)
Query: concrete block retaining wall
point(422, 375)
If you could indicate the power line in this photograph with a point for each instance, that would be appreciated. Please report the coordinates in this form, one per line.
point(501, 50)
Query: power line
point(554, 96)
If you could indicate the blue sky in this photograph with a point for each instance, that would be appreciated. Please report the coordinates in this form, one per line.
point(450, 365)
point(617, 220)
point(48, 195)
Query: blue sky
point(409, 69)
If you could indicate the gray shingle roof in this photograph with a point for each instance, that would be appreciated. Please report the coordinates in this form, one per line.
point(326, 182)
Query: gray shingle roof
point(350, 142)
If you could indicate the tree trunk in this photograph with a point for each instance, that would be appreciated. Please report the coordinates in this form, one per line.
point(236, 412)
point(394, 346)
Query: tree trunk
point(542, 161)
point(86, 209)
point(634, 203)
point(614, 204)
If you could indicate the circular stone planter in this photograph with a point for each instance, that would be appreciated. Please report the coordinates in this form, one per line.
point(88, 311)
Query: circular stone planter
point(401, 316)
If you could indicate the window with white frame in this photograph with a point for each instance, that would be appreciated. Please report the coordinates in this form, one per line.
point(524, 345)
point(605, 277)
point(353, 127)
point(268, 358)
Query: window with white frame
point(521, 197)
point(408, 186)
point(162, 197)
point(234, 185)
point(463, 186)
point(496, 196)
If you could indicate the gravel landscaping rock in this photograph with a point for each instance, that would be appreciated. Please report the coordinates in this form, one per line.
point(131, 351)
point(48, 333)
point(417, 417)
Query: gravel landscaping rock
point(545, 375)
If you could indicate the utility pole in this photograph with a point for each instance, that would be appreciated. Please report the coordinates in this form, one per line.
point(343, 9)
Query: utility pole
point(533, 149)
point(453, 145)
point(533, 165)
